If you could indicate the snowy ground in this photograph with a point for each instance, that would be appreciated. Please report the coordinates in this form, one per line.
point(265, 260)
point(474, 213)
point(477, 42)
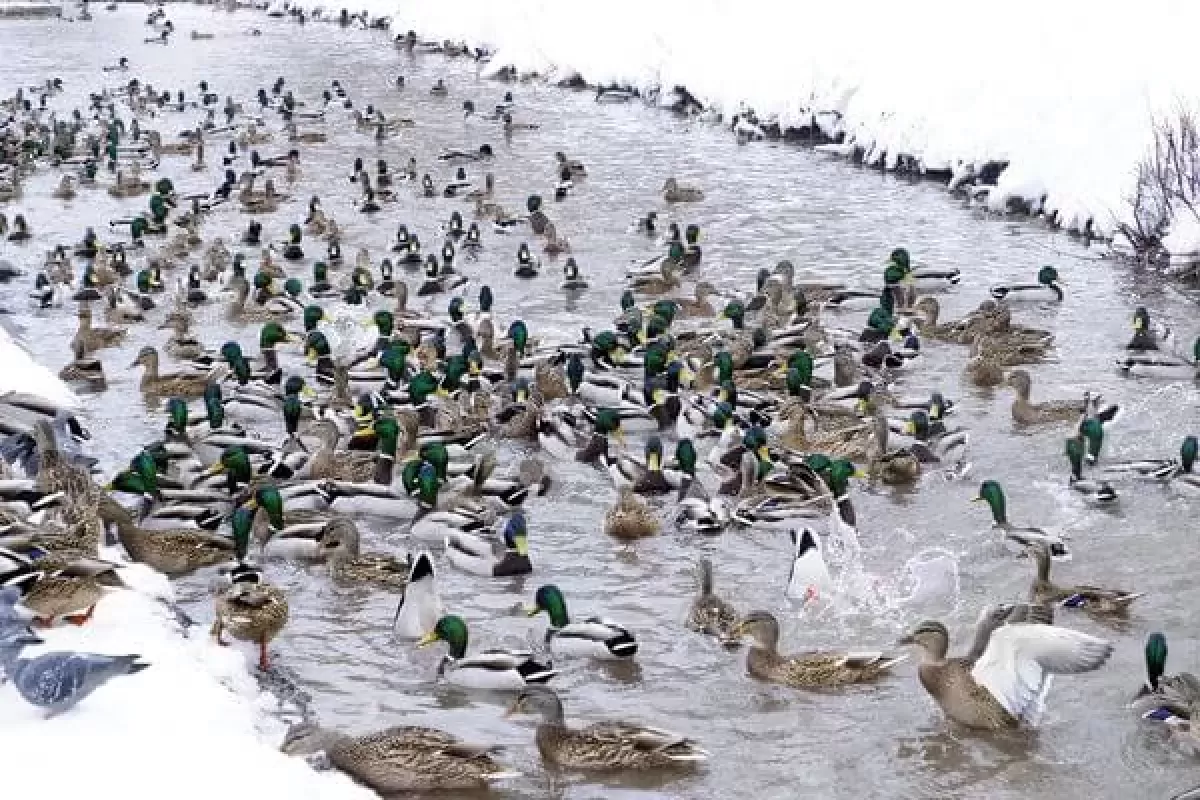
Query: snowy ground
point(1064, 91)
point(193, 725)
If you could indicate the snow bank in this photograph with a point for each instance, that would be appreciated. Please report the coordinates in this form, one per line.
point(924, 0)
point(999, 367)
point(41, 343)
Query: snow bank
point(192, 725)
point(21, 375)
point(1064, 92)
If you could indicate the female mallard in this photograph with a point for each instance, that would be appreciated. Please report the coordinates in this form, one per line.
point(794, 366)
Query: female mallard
point(1157, 364)
point(354, 466)
point(401, 759)
point(711, 614)
point(1092, 599)
point(94, 338)
point(603, 745)
point(808, 670)
point(420, 606)
point(1048, 287)
point(56, 586)
point(89, 372)
point(489, 556)
point(173, 552)
point(593, 637)
point(992, 493)
point(893, 467)
point(1026, 412)
point(983, 370)
point(630, 518)
point(250, 609)
point(490, 669)
point(1094, 491)
point(178, 384)
point(672, 192)
point(347, 565)
point(238, 311)
point(1008, 683)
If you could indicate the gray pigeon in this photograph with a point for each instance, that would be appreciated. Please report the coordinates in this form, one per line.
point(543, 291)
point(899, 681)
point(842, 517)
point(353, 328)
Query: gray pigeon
point(56, 681)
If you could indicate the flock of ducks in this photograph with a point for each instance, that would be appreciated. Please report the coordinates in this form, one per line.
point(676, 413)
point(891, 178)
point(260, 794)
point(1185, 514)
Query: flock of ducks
point(752, 408)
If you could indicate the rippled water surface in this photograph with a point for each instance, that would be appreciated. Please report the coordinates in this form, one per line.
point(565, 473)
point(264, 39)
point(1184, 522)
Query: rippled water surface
point(764, 202)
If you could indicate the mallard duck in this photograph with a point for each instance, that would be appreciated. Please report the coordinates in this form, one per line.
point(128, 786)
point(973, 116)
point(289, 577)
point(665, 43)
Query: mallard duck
point(58, 586)
point(1048, 287)
point(983, 370)
point(173, 385)
point(1163, 469)
point(604, 745)
point(340, 540)
point(1148, 335)
point(1026, 412)
point(893, 467)
point(173, 552)
point(353, 466)
point(992, 493)
point(420, 607)
point(401, 759)
point(1164, 698)
point(250, 609)
point(574, 167)
point(1093, 600)
point(1008, 683)
point(1158, 364)
point(672, 192)
point(490, 669)
point(709, 613)
point(809, 577)
point(84, 370)
point(89, 338)
point(593, 637)
point(492, 557)
point(1094, 491)
point(630, 518)
point(808, 670)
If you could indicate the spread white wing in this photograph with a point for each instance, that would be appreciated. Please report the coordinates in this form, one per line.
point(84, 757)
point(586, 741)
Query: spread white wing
point(1020, 659)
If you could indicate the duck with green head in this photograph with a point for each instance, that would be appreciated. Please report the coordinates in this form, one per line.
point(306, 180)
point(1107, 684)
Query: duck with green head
point(593, 637)
point(992, 493)
point(1047, 288)
point(1165, 365)
point(491, 669)
point(1164, 698)
point(486, 556)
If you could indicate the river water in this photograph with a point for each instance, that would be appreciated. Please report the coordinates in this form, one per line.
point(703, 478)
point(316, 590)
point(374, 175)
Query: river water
point(764, 202)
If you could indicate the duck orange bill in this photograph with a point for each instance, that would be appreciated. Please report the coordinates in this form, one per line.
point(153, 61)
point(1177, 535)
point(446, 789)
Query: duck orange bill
point(428, 639)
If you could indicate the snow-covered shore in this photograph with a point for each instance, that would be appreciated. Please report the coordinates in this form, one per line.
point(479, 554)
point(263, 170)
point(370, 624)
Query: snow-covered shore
point(193, 725)
point(1062, 93)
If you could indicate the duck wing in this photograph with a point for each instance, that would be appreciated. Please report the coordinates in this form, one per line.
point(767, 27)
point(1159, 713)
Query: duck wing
point(1019, 660)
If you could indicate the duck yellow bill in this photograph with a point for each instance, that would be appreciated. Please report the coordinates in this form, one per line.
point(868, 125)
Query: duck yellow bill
point(522, 545)
point(428, 639)
point(652, 462)
point(215, 469)
point(977, 499)
point(764, 454)
point(858, 473)
point(910, 428)
point(531, 611)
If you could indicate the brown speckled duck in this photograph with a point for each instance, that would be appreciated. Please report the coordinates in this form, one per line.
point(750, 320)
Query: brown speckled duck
point(808, 670)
